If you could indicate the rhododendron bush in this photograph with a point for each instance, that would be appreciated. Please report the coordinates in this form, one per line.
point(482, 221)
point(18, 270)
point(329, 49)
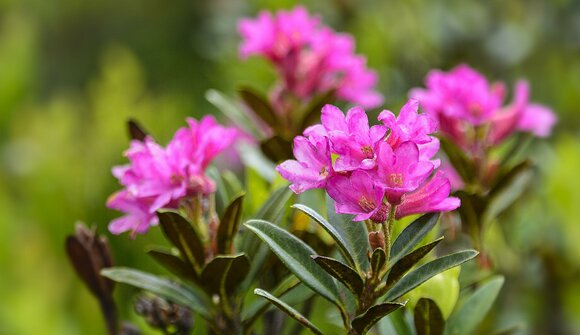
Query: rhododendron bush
point(340, 218)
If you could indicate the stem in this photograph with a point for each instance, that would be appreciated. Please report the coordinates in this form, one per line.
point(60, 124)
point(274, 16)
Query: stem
point(387, 229)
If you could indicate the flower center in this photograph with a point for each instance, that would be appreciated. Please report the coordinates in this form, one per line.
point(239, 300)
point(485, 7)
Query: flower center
point(366, 204)
point(176, 179)
point(396, 179)
point(475, 109)
point(323, 172)
point(367, 151)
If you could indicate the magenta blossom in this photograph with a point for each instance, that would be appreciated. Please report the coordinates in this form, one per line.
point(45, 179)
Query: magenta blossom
point(158, 177)
point(465, 105)
point(376, 169)
point(310, 57)
point(313, 166)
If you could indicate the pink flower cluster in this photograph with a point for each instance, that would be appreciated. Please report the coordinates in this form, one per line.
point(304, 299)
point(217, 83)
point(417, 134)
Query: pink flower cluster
point(158, 177)
point(372, 171)
point(462, 100)
point(310, 57)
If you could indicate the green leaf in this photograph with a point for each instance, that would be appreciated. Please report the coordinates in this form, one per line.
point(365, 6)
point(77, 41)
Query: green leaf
point(165, 288)
point(182, 235)
point(343, 246)
point(408, 261)
point(395, 323)
point(229, 224)
point(311, 114)
point(251, 314)
point(284, 307)
point(426, 271)
point(273, 209)
point(378, 260)
point(428, 318)
point(363, 323)
point(458, 159)
point(277, 148)
point(295, 254)
point(174, 264)
point(507, 189)
point(136, 132)
point(233, 112)
point(224, 273)
point(345, 274)
point(260, 106)
point(464, 320)
point(354, 235)
point(412, 235)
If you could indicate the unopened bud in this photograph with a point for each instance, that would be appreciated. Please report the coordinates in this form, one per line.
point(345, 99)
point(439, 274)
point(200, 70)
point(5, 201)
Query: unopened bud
point(376, 239)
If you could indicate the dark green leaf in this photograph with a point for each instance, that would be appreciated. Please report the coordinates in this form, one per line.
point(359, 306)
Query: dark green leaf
point(165, 288)
point(136, 132)
point(412, 235)
point(182, 235)
point(354, 234)
point(507, 189)
point(311, 114)
point(277, 149)
point(363, 323)
point(233, 112)
point(428, 318)
point(224, 273)
point(251, 314)
point(174, 264)
point(289, 310)
point(408, 261)
point(229, 224)
point(426, 271)
point(378, 260)
point(295, 254)
point(343, 246)
point(273, 209)
point(260, 106)
point(458, 159)
point(464, 320)
point(345, 274)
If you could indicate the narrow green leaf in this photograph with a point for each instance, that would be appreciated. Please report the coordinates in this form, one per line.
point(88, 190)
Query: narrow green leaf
point(165, 288)
point(464, 320)
point(273, 209)
point(508, 189)
point(284, 307)
point(229, 224)
point(395, 323)
point(458, 159)
point(251, 314)
point(260, 106)
point(182, 235)
point(233, 112)
point(428, 318)
point(174, 264)
point(378, 260)
point(344, 273)
point(295, 254)
point(426, 271)
point(311, 114)
point(363, 323)
point(349, 255)
point(354, 235)
point(224, 273)
point(136, 132)
point(277, 148)
point(408, 261)
point(412, 234)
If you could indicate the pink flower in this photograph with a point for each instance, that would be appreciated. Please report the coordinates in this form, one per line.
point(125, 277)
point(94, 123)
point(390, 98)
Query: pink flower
point(373, 172)
point(313, 166)
point(400, 171)
point(310, 57)
point(358, 194)
point(433, 196)
point(158, 177)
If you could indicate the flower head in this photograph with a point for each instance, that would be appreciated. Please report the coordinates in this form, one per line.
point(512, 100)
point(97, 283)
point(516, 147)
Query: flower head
point(158, 177)
point(377, 168)
point(310, 57)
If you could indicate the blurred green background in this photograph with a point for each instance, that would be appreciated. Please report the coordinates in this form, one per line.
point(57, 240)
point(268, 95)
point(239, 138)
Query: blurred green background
point(73, 71)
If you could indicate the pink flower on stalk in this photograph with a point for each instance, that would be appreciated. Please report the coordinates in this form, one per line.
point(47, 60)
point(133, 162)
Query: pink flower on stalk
point(374, 170)
point(313, 166)
point(310, 57)
point(433, 196)
point(158, 177)
point(358, 194)
point(400, 171)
